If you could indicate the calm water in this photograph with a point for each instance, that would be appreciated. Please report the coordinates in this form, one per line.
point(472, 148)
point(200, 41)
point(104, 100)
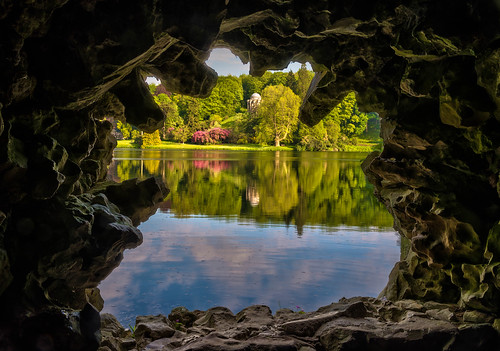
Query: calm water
point(284, 229)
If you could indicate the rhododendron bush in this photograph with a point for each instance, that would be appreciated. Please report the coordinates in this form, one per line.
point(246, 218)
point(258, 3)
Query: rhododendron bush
point(212, 136)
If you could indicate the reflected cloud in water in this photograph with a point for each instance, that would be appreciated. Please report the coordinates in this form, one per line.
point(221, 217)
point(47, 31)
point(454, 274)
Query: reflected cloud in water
point(239, 228)
point(201, 263)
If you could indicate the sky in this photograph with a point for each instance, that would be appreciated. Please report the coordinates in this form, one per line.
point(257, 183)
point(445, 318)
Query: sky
point(224, 62)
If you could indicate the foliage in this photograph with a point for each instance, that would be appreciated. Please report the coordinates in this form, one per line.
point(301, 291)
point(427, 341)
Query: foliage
point(179, 134)
point(190, 111)
point(304, 78)
point(250, 85)
point(291, 82)
point(168, 145)
point(314, 138)
point(128, 131)
point(169, 108)
point(276, 78)
point(278, 114)
point(275, 123)
point(150, 139)
point(201, 137)
point(225, 99)
point(352, 122)
point(372, 126)
point(212, 136)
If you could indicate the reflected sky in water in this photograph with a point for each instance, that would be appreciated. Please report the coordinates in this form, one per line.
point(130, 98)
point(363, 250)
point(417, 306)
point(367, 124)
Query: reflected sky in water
point(249, 252)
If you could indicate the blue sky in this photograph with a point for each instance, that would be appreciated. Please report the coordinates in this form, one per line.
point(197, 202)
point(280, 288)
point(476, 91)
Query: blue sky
point(224, 62)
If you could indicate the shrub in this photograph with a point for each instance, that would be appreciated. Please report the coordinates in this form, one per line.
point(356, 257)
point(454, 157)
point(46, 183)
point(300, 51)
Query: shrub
point(201, 137)
point(219, 134)
point(212, 136)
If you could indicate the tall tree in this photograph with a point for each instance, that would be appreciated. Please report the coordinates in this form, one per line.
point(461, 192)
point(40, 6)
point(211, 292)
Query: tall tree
point(225, 100)
point(278, 114)
point(304, 78)
point(277, 78)
point(291, 82)
point(189, 110)
point(352, 122)
point(170, 109)
point(251, 85)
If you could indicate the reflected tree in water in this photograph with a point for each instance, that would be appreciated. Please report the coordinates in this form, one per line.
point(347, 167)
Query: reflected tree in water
point(306, 189)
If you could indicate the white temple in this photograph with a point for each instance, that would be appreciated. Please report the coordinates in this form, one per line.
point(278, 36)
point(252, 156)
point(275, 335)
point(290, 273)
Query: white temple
point(253, 102)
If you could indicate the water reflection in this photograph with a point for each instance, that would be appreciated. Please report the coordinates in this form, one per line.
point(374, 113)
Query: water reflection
point(242, 228)
point(298, 188)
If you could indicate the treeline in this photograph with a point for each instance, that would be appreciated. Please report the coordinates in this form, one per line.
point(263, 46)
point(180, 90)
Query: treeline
point(223, 116)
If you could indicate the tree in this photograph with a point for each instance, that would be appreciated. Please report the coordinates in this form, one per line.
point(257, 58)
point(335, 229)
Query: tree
point(169, 108)
point(250, 85)
point(189, 110)
point(291, 82)
point(150, 139)
point(314, 138)
point(278, 114)
point(304, 78)
point(277, 78)
point(352, 122)
point(128, 131)
point(225, 99)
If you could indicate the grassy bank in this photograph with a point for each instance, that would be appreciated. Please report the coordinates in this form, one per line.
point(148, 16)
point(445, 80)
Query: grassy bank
point(363, 146)
point(178, 146)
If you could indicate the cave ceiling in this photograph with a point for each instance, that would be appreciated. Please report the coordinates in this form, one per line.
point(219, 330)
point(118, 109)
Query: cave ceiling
point(431, 69)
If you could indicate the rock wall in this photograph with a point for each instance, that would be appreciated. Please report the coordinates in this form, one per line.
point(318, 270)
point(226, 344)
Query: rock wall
point(430, 68)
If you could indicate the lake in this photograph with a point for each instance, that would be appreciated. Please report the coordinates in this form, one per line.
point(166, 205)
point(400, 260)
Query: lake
point(286, 229)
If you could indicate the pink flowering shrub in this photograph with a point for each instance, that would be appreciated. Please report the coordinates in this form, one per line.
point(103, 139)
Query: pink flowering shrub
point(201, 137)
point(212, 136)
point(219, 134)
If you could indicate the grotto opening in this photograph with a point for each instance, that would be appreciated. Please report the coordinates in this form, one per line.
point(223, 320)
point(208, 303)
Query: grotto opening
point(430, 68)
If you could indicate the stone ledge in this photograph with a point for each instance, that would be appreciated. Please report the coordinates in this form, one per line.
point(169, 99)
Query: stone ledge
point(358, 323)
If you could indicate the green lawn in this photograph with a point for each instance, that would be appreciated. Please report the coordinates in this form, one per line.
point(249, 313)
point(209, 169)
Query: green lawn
point(179, 146)
point(362, 146)
point(365, 145)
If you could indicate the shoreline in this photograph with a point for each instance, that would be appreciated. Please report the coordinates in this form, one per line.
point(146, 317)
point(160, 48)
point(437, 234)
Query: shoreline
point(167, 145)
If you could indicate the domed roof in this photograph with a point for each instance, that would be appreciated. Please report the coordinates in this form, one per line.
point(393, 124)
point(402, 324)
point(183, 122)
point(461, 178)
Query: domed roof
point(255, 96)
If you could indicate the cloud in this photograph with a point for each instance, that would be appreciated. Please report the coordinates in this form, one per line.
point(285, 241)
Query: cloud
point(200, 263)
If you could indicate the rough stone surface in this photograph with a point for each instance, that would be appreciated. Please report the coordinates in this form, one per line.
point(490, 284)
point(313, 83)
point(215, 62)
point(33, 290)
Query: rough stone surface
point(350, 324)
point(430, 68)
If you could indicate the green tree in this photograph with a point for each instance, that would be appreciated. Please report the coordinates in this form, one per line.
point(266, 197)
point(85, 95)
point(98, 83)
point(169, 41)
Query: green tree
point(225, 100)
point(190, 112)
point(277, 78)
point(250, 85)
point(352, 122)
point(304, 78)
point(169, 108)
point(314, 138)
point(291, 82)
point(128, 131)
point(150, 139)
point(278, 114)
